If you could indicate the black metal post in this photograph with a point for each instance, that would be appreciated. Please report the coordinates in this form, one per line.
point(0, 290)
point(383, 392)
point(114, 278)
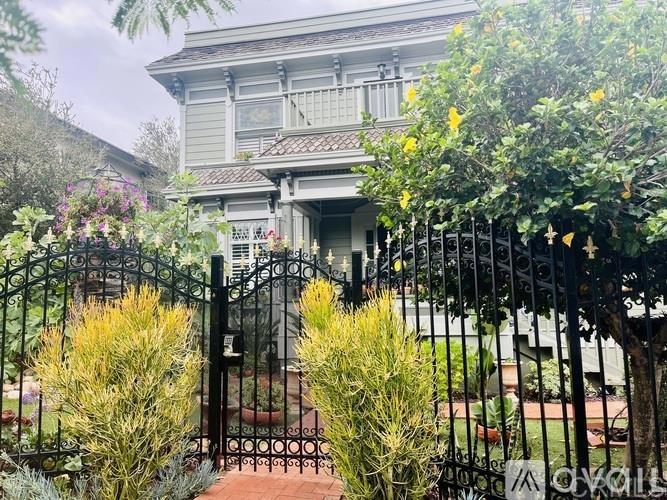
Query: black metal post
point(576, 362)
point(357, 277)
point(215, 357)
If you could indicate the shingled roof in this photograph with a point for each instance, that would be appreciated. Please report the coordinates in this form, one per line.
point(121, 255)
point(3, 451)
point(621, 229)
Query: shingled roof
point(321, 142)
point(226, 175)
point(394, 29)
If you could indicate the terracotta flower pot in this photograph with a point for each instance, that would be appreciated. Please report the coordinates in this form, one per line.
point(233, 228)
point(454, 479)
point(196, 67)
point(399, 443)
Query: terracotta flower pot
point(263, 417)
point(491, 434)
point(8, 416)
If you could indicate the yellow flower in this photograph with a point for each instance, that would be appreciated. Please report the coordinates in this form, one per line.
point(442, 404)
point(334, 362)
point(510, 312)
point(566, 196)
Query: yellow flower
point(627, 194)
point(632, 50)
point(567, 239)
point(514, 44)
point(411, 94)
point(398, 265)
point(475, 69)
point(580, 19)
point(488, 28)
point(410, 145)
point(405, 199)
point(597, 95)
point(454, 118)
point(458, 29)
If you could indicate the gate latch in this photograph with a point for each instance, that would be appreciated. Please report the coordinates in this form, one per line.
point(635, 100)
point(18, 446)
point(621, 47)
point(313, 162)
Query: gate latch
point(232, 348)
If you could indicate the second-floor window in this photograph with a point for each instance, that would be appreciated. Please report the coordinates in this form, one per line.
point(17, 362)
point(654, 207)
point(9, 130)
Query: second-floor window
point(256, 125)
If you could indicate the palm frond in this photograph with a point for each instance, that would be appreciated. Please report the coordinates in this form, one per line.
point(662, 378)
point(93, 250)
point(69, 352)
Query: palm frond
point(135, 17)
point(19, 33)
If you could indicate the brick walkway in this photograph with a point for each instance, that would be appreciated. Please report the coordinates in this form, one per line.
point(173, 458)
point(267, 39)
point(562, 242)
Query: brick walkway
point(277, 485)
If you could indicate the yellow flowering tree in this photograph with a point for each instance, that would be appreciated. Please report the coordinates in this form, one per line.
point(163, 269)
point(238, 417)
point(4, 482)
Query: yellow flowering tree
point(526, 129)
point(545, 111)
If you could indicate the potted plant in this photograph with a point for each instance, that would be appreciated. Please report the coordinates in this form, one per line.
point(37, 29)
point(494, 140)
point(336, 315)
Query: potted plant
point(248, 365)
point(509, 370)
point(490, 426)
point(262, 404)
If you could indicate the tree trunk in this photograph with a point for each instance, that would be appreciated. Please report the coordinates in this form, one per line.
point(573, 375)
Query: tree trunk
point(643, 423)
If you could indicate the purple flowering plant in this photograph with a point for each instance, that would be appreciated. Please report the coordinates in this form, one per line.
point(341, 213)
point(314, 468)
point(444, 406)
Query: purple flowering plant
point(103, 204)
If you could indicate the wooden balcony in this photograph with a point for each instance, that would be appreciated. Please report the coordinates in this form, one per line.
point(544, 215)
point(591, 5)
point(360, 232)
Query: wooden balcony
point(344, 105)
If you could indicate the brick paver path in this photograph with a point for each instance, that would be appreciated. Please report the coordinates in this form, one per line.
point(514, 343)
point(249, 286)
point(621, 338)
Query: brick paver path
point(277, 485)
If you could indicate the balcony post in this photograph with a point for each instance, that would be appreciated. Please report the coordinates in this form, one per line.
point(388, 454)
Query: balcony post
point(288, 220)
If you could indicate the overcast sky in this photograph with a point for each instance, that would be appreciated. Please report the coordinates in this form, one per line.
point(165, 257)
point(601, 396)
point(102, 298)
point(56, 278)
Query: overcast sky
point(103, 74)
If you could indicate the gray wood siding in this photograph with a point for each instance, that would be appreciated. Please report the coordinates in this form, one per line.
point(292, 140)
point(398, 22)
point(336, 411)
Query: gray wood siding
point(336, 235)
point(205, 133)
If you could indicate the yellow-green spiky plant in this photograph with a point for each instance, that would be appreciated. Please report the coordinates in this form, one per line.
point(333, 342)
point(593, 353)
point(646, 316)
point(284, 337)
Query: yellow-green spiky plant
point(374, 391)
point(124, 387)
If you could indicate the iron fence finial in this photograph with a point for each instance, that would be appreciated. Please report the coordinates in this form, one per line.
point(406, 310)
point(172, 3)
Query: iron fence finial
point(590, 248)
point(550, 235)
point(123, 232)
point(69, 232)
point(49, 238)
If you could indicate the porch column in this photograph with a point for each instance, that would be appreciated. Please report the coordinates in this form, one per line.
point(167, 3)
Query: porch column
point(288, 220)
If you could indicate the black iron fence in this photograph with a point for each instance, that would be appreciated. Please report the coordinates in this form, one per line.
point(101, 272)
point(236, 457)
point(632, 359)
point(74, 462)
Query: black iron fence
point(262, 417)
point(41, 287)
point(549, 351)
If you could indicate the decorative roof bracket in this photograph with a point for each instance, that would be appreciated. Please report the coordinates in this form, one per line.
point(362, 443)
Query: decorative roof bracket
point(290, 182)
point(177, 89)
point(397, 60)
point(338, 69)
point(229, 81)
point(282, 74)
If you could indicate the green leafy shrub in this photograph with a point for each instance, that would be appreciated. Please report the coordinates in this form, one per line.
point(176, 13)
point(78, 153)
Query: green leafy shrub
point(264, 401)
point(442, 370)
point(373, 388)
point(124, 387)
point(551, 386)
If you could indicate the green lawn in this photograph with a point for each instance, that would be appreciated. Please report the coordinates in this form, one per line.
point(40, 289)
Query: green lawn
point(49, 420)
point(554, 445)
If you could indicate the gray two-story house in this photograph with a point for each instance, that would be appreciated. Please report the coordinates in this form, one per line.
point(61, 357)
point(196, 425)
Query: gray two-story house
point(270, 115)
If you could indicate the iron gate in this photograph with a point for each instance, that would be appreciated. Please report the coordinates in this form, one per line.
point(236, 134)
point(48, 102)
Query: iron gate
point(41, 287)
point(259, 412)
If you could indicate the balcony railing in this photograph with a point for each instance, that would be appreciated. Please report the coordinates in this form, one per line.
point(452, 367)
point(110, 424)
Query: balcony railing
point(344, 105)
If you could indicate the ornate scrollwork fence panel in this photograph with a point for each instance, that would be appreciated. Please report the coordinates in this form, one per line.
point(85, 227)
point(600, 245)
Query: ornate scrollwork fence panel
point(267, 418)
point(42, 287)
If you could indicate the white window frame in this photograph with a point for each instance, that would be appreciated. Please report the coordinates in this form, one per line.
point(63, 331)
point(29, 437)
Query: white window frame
point(243, 83)
point(195, 88)
point(252, 101)
point(364, 69)
point(255, 132)
point(306, 76)
point(407, 75)
point(249, 243)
